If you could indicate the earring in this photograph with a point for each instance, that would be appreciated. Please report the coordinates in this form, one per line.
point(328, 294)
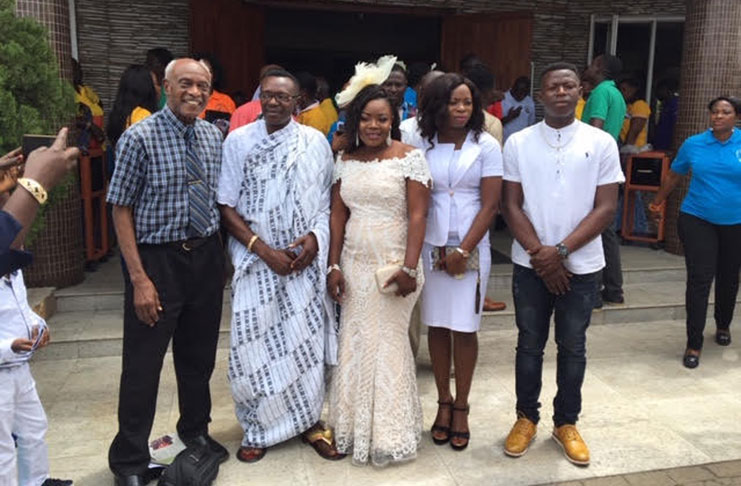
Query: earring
point(388, 139)
point(357, 140)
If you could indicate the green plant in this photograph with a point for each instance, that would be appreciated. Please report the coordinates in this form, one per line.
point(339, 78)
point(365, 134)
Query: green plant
point(33, 96)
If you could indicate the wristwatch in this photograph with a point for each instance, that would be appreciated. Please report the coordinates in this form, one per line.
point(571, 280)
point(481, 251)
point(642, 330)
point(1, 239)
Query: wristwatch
point(563, 251)
point(412, 272)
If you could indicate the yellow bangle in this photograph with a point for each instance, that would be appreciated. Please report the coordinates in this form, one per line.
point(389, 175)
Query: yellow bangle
point(252, 242)
point(36, 190)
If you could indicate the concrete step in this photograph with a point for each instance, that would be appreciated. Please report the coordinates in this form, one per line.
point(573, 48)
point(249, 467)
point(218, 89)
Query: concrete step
point(86, 333)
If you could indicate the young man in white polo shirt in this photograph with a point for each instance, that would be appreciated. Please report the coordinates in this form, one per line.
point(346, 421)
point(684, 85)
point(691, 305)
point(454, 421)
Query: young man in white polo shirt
point(560, 189)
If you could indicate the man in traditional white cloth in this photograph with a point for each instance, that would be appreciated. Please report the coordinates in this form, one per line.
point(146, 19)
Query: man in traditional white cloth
point(274, 195)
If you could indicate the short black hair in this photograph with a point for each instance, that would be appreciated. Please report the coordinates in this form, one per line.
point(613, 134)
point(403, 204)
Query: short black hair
point(355, 110)
point(612, 66)
point(307, 82)
point(522, 80)
point(157, 60)
point(734, 102)
point(481, 76)
point(558, 66)
point(416, 71)
point(280, 73)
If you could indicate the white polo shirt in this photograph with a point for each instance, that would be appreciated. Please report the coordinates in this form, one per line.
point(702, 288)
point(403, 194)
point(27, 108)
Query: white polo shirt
point(560, 171)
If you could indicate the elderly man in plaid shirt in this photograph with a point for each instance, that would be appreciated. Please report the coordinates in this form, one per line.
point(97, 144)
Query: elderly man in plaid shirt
point(164, 211)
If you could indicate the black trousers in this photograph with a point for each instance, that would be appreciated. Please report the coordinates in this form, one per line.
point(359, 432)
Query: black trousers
point(612, 274)
point(711, 251)
point(190, 284)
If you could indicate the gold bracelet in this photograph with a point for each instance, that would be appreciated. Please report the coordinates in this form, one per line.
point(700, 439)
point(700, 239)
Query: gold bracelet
point(252, 242)
point(36, 190)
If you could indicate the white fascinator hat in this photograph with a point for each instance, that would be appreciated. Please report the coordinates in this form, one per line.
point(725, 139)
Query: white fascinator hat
point(365, 75)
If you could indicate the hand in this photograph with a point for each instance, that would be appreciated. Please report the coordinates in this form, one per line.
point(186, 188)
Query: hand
point(340, 142)
point(545, 260)
point(406, 284)
point(9, 178)
point(21, 345)
point(11, 159)
point(279, 261)
point(309, 249)
point(514, 112)
point(455, 264)
point(147, 302)
point(336, 285)
point(656, 209)
point(47, 166)
point(557, 281)
point(44, 338)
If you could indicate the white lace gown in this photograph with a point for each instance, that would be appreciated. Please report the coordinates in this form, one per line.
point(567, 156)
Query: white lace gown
point(374, 407)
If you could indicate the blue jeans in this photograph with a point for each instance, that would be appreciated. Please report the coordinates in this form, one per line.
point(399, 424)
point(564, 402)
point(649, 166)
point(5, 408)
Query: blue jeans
point(534, 305)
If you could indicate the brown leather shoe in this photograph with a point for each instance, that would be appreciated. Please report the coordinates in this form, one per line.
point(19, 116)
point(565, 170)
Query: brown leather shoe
point(493, 305)
point(519, 438)
point(573, 445)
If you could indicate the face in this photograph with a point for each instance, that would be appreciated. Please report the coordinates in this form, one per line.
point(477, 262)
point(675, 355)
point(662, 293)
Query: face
point(460, 107)
point(375, 123)
point(560, 92)
point(188, 89)
point(278, 100)
point(520, 90)
point(395, 85)
point(722, 116)
point(628, 91)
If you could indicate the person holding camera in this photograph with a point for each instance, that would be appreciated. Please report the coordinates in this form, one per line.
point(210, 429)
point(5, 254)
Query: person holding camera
point(22, 331)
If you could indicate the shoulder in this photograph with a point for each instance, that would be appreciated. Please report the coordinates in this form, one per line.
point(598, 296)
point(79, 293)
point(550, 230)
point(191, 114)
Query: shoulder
point(209, 130)
point(311, 133)
point(699, 139)
point(523, 135)
point(595, 137)
point(487, 141)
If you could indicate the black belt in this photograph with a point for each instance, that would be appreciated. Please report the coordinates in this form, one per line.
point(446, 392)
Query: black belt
point(192, 243)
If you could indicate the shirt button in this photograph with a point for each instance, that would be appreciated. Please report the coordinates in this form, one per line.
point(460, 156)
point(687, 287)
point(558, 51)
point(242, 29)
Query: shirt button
point(451, 193)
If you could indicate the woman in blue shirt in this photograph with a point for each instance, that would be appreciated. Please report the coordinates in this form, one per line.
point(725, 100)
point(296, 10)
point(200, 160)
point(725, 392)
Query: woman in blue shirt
point(709, 223)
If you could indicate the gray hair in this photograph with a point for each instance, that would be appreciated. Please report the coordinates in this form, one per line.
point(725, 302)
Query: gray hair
point(170, 66)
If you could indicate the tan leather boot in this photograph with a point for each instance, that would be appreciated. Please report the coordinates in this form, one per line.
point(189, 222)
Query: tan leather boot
point(519, 438)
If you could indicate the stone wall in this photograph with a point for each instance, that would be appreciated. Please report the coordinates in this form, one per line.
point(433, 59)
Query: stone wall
point(112, 34)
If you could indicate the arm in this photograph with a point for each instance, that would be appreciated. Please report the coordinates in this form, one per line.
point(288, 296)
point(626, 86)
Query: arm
point(338, 216)
point(520, 226)
point(597, 122)
point(46, 166)
point(278, 261)
point(491, 188)
point(634, 129)
point(512, 113)
point(418, 197)
point(667, 186)
point(146, 299)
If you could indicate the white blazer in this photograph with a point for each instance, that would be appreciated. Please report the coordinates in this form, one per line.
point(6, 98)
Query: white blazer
point(477, 160)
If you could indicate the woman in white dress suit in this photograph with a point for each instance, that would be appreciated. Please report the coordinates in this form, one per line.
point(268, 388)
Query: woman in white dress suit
point(466, 167)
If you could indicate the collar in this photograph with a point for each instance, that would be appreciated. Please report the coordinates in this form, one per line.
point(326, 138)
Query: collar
point(710, 139)
point(177, 125)
point(553, 133)
point(310, 107)
point(609, 82)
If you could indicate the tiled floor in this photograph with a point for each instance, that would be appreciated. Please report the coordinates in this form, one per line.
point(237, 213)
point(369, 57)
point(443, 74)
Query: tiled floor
point(642, 411)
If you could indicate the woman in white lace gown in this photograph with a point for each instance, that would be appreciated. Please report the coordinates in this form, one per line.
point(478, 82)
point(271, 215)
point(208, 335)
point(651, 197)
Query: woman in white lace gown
point(379, 206)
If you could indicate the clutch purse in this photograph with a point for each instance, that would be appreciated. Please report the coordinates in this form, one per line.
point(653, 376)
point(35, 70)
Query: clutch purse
point(472, 265)
point(383, 274)
point(439, 252)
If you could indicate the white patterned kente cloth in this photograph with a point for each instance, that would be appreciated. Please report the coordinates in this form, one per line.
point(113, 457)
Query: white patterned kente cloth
point(281, 334)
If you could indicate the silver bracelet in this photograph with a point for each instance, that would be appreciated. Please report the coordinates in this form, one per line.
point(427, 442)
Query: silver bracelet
point(334, 266)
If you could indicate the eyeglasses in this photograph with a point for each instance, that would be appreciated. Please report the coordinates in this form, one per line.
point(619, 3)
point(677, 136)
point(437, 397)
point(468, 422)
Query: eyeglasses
point(266, 96)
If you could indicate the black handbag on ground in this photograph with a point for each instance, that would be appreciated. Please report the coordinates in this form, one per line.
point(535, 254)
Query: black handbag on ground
point(194, 466)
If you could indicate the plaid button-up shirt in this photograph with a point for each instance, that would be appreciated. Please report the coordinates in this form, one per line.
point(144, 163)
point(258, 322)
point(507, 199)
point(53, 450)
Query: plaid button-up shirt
point(151, 175)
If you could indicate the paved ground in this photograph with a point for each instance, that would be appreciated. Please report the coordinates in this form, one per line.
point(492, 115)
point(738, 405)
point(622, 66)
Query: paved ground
point(642, 412)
